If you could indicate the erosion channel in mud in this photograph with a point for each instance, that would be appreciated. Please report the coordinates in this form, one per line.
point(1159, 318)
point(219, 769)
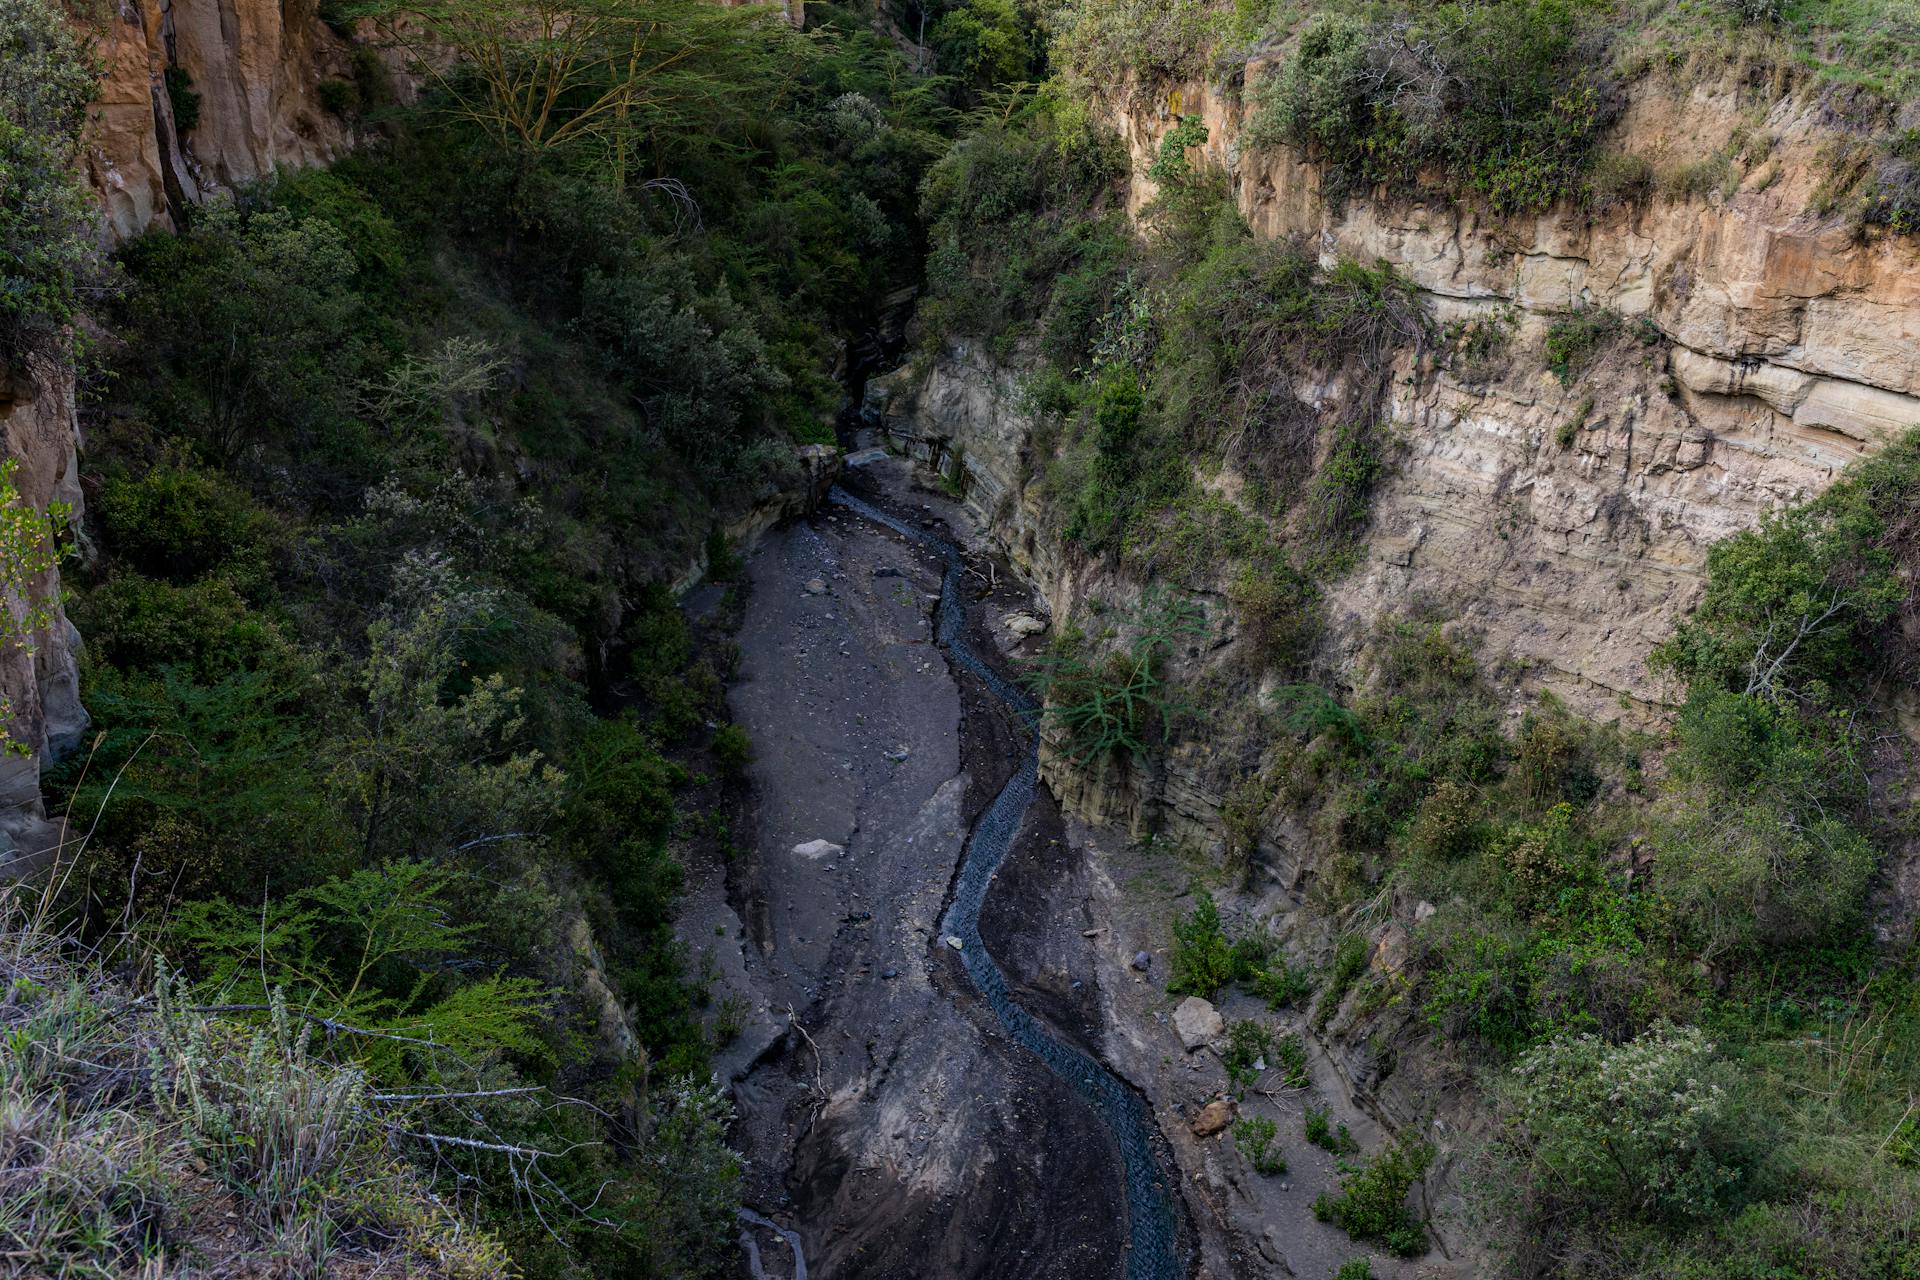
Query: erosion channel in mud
point(1152, 1240)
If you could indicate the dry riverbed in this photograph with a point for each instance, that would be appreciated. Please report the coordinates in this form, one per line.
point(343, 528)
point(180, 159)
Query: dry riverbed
point(885, 1117)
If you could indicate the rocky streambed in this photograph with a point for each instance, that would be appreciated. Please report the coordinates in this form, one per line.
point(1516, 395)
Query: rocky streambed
point(948, 1065)
point(887, 1115)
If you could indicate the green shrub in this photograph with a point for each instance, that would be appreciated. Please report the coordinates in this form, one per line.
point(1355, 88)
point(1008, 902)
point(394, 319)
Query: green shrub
point(1109, 704)
point(1569, 430)
point(1255, 1138)
point(340, 97)
point(1349, 962)
point(1479, 984)
point(1372, 1204)
point(1475, 350)
point(1327, 1136)
point(184, 101)
point(1617, 178)
point(1278, 608)
point(1281, 984)
point(1248, 1043)
point(48, 251)
point(1506, 98)
point(660, 644)
point(248, 332)
point(178, 521)
point(732, 750)
point(1788, 603)
point(616, 813)
point(1651, 1130)
point(1202, 955)
point(206, 627)
point(1291, 1055)
point(1354, 1269)
point(1577, 338)
point(1171, 164)
point(1451, 822)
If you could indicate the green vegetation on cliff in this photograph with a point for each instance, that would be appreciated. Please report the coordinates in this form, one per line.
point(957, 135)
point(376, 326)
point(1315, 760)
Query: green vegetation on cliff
point(1508, 104)
point(1656, 957)
point(402, 737)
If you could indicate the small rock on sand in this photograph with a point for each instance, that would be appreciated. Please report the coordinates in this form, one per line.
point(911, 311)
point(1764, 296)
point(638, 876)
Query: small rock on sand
point(1213, 1117)
point(1270, 1249)
point(1197, 1022)
point(816, 586)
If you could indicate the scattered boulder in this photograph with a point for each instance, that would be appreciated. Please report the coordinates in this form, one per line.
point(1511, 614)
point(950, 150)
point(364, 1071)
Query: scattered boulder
point(1270, 1248)
point(1213, 1117)
point(1423, 912)
point(818, 849)
point(954, 942)
point(1142, 961)
point(1197, 1022)
point(816, 586)
point(1025, 624)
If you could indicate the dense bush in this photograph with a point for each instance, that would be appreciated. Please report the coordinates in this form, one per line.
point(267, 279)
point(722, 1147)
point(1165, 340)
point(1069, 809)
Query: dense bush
point(1504, 99)
point(1372, 1204)
point(48, 76)
point(378, 488)
point(1254, 1136)
point(1654, 1128)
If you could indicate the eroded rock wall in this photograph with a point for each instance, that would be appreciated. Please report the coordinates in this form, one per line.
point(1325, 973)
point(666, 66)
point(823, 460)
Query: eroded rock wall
point(1779, 347)
point(1566, 525)
point(39, 676)
point(257, 68)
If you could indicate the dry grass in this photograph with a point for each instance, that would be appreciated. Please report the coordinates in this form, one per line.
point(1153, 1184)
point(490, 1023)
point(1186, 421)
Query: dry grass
point(141, 1138)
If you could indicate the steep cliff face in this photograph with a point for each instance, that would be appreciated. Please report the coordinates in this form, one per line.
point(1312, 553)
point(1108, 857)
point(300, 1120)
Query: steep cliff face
point(39, 680)
point(1568, 523)
point(257, 69)
point(1777, 347)
point(1761, 349)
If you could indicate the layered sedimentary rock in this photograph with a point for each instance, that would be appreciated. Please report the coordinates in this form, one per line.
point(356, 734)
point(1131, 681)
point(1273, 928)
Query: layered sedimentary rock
point(1568, 524)
point(39, 675)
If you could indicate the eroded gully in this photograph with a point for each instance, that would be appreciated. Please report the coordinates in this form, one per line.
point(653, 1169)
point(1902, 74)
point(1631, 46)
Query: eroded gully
point(1151, 1252)
point(905, 1113)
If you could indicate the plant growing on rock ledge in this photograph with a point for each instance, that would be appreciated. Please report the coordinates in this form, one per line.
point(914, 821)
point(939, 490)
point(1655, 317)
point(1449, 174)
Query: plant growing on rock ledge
point(1248, 1043)
point(1109, 703)
point(1503, 98)
point(1171, 165)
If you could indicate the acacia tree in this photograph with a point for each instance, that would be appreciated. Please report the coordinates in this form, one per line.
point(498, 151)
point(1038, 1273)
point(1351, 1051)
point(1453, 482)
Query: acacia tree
point(609, 77)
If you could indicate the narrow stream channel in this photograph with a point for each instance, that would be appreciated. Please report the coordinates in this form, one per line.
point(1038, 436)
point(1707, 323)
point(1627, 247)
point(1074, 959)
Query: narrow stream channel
point(1152, 1249)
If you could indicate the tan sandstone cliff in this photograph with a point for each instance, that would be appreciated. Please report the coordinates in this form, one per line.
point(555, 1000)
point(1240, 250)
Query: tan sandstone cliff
point(257, 67)
point(1787, 346)
point(1779, 347)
